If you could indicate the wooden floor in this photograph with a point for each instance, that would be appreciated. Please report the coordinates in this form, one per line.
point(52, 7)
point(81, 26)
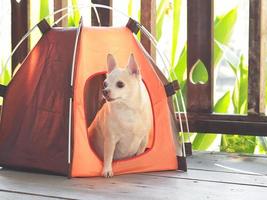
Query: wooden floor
point(210, 176)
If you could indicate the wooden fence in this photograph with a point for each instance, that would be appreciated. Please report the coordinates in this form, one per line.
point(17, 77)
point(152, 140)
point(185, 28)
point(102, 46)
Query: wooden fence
point(200, 96)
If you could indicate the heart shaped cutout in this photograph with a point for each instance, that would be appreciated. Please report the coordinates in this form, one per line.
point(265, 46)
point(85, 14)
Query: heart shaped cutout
point(199, 73)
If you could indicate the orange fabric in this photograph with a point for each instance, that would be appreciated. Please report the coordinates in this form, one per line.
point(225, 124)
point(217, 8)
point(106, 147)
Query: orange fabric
point(94, 45)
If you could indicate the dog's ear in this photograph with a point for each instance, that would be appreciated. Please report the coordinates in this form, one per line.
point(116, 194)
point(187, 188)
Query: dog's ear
point(111, 62)
point(132, 66)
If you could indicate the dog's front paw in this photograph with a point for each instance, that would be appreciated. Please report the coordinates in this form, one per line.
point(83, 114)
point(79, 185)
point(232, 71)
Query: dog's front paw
point(107, 173)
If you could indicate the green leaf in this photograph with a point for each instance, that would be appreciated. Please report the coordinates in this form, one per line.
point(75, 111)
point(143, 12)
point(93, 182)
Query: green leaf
point(217, 19)
point(230, 57)
point(243, 88)
point(44, 9)
point(262, 144)
point(180, 68)
point(76, 13)
point(161, 13)
point(74, 19)
point(159, 27)
point(235, 97)
point(70, 21)
point(223, 29)
point(240, 93)
point(175, 28)
point(163, 4)
point(139, 19)
point(223, 103)
point(181, 75)
point(237, 143)
point(203, 141)
point(199, 73)
point(5, 74)
point(130, 8)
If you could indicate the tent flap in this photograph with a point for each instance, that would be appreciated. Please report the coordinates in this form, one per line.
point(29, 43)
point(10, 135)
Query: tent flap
point(33, 130)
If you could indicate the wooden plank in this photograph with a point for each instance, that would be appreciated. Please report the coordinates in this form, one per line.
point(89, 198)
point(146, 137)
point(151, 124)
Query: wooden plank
point(229, 127)
point(228, 124)
point(204, 180)
point(200, 46)
point(127, 187)
point(257, 56)
point(105, 15)
point(11, 196)
point(148, 20)
point(19, 26)
point(225, 162)
point(263, 54)
point(58, 5)
point(217, 177)
point(232, 117)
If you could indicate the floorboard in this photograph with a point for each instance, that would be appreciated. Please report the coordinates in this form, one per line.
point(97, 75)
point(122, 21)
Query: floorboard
point(223, 162)
point(204, 180)
point(6, 195)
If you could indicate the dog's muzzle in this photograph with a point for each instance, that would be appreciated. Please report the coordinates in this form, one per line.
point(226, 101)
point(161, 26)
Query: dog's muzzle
point(106, 93)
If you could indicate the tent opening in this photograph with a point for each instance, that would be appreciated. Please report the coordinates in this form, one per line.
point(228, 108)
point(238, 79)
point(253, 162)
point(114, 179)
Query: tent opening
point(93, 102)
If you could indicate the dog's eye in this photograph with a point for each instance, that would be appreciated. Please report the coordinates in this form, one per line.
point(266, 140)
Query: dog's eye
point(120, 84)
point(105, 84)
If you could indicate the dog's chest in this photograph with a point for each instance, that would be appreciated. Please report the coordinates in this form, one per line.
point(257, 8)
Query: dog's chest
point(130, 122)
point(129, 129)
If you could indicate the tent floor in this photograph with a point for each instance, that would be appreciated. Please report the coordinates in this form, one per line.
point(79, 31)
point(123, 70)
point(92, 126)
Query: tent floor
point(210, 176)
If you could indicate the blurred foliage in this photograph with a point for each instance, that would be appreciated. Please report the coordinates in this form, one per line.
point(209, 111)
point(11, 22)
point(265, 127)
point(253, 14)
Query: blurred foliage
point(5, 74)
point(44, 9)
point(74, 17)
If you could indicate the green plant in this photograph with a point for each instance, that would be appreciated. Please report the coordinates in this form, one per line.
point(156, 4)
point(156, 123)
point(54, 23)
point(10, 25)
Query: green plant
point(175, 28)
point(5, 74)
point(44, 9)
point(204, 141)
point(236, 143)
point(74, 17)
point(161, 13)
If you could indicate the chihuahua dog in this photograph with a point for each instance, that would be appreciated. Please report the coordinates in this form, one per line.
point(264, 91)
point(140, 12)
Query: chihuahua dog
point(121, 127)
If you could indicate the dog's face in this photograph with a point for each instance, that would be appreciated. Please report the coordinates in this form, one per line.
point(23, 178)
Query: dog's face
point(121, 83)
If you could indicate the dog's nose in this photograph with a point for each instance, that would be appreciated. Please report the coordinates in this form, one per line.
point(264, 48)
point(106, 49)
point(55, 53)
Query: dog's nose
point(106, 92)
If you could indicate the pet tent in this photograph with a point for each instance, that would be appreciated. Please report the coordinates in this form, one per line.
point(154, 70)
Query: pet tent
point(55, 95)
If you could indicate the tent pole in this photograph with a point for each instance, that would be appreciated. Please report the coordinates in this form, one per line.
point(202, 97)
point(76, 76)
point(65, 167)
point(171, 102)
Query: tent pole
point(71, 100)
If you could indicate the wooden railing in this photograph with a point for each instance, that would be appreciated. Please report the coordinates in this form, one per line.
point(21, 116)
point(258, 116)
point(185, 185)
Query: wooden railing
point(200, 96)
point(200, 46)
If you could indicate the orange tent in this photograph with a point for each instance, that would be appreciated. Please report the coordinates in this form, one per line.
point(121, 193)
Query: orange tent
point(55, 95)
